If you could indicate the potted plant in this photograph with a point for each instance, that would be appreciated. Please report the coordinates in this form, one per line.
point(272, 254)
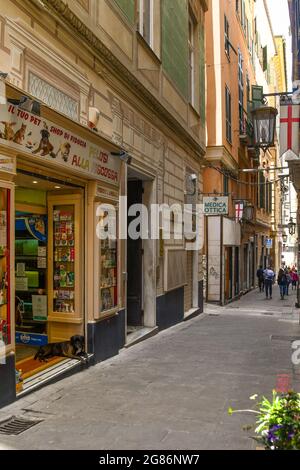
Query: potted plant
point(278, 421)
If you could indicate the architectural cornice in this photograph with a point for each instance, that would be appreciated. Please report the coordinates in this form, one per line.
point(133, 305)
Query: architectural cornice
point(61, 11)
point(219, 154)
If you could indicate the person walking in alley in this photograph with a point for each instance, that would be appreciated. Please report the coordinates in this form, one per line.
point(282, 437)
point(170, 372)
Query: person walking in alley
point(260, 277)
point(295, 278)
point(282, 282)
point(269, 276)
point(287, 272)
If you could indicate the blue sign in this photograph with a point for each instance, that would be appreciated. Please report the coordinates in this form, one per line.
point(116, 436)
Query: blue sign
point(31, 339)
point(269, 243)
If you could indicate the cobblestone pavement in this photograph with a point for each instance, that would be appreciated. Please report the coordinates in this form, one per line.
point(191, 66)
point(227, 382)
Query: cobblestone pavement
point(173, 390)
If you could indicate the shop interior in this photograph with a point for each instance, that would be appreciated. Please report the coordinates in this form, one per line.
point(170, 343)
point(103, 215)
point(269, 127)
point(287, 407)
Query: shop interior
point(34, 238)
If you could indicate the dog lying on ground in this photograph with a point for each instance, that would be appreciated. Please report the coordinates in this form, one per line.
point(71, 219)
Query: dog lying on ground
point(73, 349)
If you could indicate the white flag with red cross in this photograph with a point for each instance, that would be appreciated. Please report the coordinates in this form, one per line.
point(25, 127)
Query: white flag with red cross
point(289, 128)
point(239, 210)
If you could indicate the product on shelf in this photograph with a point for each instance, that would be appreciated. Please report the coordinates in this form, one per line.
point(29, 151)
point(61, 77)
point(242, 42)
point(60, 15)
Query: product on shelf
point(64, 260)
point(30, 273)
point(108, 270)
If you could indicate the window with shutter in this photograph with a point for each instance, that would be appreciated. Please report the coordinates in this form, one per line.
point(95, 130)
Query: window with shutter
point(265, 58)
point(228, 114)
point(226, 34)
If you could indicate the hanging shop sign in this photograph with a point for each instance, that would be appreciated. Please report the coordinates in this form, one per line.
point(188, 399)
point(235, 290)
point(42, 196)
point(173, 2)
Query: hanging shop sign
point(289, 128)
point(49, 142)
point(215, 205)
point(239, 210)
point(269, 243)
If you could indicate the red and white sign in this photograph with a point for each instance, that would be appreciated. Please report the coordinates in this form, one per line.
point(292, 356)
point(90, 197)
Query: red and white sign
point(49, 142)
point(289, 128)
point(239, 211)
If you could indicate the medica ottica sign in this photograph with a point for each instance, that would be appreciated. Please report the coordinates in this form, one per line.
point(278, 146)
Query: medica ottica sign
point(215, 205)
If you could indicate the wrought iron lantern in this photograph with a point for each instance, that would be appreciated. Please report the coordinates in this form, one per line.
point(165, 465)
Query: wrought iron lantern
point(248, 212)
point(292, 227)
point(264, 124)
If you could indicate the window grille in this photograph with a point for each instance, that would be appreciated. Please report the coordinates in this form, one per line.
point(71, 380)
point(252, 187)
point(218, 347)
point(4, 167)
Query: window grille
point(53, 97)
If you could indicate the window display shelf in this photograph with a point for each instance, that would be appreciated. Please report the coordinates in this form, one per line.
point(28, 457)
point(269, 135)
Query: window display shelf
point(108, 276)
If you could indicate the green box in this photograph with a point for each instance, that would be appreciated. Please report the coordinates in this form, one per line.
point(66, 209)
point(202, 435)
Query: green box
point(19, 247)
point(30, 247)
point(33, 278)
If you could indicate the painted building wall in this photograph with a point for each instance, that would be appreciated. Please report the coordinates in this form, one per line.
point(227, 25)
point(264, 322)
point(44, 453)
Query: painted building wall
point(140, 93)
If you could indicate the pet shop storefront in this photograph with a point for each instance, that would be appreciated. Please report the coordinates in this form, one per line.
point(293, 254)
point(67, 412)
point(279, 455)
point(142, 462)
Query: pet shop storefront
point(59, 284)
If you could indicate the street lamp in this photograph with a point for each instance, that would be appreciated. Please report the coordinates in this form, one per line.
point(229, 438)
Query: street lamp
point(292, 227)
point(284, 237)
point(264, 124)
point(248, 212)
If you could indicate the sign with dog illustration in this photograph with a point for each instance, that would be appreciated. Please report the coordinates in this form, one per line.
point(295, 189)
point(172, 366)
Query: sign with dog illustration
point(44, 139)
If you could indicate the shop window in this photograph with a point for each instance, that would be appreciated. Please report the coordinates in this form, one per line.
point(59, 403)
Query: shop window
point(108, 293)
point(64, 259)
point(5, 312)
point(30, 278)
point(53, 97)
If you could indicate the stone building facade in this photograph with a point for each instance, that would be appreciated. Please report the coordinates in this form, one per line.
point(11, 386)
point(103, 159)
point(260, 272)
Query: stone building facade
point(128, 77)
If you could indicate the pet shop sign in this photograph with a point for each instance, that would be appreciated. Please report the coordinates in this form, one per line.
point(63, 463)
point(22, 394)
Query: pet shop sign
point(48, 141)
point(31, 339)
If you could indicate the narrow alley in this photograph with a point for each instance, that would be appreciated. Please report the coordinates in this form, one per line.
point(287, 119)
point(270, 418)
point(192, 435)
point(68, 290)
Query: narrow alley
point(172, 391)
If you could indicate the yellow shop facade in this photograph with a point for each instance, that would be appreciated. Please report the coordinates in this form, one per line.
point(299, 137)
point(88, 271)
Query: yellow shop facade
point(54, 269)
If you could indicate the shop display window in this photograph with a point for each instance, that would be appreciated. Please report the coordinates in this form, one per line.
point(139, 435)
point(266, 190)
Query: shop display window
point(30, 273)
point(64, 259)
point(5, 313)
point(108, 275)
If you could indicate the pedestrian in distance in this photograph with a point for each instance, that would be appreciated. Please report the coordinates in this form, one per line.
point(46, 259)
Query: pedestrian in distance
point(260, 277)
point(288, 280)
point(282, 282)
point(269, 277)
point(295, 278)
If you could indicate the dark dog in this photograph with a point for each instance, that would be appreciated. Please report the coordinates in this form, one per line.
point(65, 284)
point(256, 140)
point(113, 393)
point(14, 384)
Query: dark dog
point(73, 349)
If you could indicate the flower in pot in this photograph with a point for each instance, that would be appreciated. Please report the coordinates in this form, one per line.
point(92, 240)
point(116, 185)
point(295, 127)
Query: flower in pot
point(278, 421)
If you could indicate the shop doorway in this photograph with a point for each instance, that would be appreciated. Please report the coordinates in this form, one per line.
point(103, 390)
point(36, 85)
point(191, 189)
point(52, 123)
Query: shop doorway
point(135, 313)
point(141, 273)
point(48, 224)
point(228, 273)
point(236, 271)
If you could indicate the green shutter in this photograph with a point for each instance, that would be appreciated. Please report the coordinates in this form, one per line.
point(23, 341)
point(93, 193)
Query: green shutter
point(265, 58)
point(175, 53)
point(127, 6)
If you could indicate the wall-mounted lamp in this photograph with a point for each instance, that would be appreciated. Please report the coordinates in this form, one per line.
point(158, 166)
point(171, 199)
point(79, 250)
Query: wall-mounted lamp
point(292, 227)
point(123, 155)
point(264, 124)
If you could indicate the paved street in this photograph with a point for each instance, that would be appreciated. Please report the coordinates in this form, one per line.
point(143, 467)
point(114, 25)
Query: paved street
point(173, 390)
